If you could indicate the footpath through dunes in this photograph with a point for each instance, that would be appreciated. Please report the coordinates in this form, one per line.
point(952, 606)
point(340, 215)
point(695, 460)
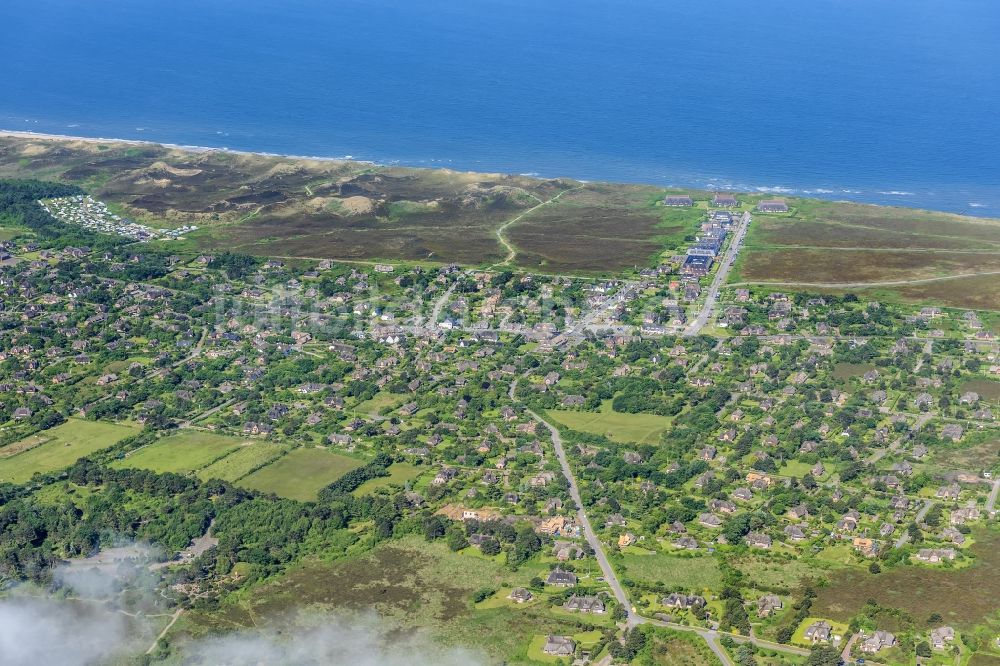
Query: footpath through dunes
point(893, 252)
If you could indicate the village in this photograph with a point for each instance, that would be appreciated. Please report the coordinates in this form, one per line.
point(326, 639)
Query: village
point(663, 449)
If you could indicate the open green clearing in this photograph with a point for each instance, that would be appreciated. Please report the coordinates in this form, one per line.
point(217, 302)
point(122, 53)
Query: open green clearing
point(399, 474)
point(7, 233)
point(641, 428)
point(301, 473)
point(795, 468)
point(691, 573)
point(983, 659)
point(410, 584)
point(379, 403)
point(65, 444)
point(181, 453)
point(844, 371)
point(769, 572)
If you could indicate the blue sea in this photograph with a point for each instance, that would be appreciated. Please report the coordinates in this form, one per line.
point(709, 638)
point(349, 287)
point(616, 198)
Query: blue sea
point(886, 101)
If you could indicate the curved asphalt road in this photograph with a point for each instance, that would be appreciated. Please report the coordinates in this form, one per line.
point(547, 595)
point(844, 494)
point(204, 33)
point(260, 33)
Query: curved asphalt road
point(588, 530)
point(711, 637)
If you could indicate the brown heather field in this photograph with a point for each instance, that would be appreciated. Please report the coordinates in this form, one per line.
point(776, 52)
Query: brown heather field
point(296, 207)
point(846, 246)
point(851, 267)
point(979, 293)
point(841, 224)
point(600, 225)
point(982, 659)
point(964, 597)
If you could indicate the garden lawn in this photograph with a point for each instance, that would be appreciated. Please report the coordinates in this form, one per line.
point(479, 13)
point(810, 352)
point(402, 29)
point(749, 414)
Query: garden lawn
point(799, 637)
point(65, 444)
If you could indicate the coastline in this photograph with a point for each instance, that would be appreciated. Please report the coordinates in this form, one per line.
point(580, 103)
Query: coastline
point(821, 194)
point(23, 134)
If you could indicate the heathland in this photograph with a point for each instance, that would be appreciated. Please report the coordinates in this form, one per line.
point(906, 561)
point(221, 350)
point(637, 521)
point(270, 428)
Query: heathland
point(287, 207)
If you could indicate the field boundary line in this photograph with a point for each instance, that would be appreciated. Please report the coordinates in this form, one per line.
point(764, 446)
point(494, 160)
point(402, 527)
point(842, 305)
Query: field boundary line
point(860, 285)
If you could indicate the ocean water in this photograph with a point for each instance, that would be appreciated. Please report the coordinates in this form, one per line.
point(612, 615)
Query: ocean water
point(887, 101)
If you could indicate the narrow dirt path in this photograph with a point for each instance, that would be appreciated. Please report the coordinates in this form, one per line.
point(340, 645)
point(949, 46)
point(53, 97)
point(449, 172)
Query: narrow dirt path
point(173, 619)
point(511, 250)
point(860, 285)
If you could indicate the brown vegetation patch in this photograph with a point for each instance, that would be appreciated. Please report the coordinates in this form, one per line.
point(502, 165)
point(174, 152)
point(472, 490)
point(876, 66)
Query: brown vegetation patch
point(357, 205)
point(857, 266)
point(393, 580)
point(22, 446)
point(988, 389)
point(978, 293)
point(810, 233)
point(598, 229)
point(901, 220)
point(963, 596)
point(967, 457)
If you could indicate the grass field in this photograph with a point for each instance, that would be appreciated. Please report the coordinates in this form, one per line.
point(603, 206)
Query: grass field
point(65, 444)
point(181, 453)
point(641, 428)
point(399, 474)
point(301, 473)
point(692, 573)
point(768, 572)
point(675, 648)
point(964, 597)
point(983, 659)
point(242, 461)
